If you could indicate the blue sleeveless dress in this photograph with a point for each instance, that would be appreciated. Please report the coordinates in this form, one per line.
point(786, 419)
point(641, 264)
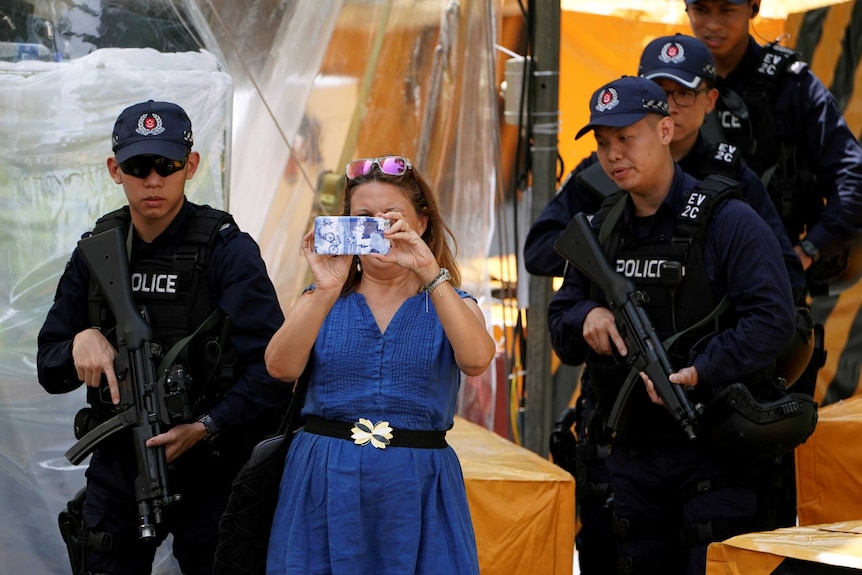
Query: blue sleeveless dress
point(347, 509)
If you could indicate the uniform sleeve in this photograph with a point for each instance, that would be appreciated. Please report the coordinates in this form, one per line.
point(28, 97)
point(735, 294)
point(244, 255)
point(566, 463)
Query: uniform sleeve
point(836, 158)
point(757, 197)
point(246, 295)
point(67, 317)
point(540, 257)
point(743, 255)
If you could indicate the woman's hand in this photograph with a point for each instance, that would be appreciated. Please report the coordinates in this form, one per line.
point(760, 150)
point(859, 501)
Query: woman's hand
point(330, 272)
point(407, 248)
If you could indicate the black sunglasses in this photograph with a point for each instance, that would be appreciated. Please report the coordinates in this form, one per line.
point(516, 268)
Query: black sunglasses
point(141, 166)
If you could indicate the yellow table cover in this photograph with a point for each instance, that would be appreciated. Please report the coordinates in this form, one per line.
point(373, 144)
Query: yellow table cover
point(523, 506)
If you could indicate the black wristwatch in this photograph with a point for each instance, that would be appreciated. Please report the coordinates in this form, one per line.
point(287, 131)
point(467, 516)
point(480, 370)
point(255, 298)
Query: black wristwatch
point(810, 250)
point(211, 427)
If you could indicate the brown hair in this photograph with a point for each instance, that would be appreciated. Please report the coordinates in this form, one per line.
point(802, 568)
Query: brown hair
point(437, 233)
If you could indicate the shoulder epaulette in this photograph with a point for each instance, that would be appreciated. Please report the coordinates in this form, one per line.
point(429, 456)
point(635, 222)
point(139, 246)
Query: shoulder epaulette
point(797, 67)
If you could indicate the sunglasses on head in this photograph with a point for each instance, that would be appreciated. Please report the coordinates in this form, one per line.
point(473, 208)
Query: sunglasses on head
point(141, 166)
point(390, 165)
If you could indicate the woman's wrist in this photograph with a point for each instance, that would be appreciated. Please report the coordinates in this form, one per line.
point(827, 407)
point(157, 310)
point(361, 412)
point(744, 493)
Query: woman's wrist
point(427, 277)
point(442, 276)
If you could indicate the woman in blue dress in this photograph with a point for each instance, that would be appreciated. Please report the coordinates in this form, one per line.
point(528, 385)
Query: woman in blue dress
point(370, 484)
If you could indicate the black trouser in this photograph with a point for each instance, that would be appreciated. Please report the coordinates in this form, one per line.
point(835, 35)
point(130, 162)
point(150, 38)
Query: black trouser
point(110, 508)
point(595, 542)
point(671, 499)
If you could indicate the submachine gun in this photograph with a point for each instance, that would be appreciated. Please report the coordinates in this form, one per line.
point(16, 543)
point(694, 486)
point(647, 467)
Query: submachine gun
point(579, 245)
point(151, 398)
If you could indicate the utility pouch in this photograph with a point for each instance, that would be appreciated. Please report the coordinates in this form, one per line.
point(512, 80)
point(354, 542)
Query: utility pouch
point(86, 420)
point(71, 523)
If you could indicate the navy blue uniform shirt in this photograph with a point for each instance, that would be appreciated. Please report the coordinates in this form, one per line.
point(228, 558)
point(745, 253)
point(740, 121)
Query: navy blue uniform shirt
point(807, 115)
point(540, 257)
point(742, 259)
point(238, 283)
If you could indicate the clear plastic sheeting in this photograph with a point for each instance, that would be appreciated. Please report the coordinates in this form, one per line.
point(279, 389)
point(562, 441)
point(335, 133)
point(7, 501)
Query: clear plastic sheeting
point(414, 78)
point(55, 134)
point(288, 121)
point(281, 95)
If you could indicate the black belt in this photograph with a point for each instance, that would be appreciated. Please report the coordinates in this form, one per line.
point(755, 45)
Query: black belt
point(400, 437)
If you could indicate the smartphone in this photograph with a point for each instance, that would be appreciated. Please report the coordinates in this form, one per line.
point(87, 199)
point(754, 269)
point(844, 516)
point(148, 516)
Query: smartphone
point(350, 235)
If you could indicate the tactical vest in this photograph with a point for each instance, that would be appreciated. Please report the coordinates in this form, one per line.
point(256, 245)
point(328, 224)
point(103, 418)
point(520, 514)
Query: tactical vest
point(173, 295)
point(752, 128)
point(672, 274)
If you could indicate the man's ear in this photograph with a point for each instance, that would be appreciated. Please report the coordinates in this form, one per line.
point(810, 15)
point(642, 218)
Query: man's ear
point(114, 170)
point(665, 128)
point(755, 8)
point(711, 99)
point(192, 164)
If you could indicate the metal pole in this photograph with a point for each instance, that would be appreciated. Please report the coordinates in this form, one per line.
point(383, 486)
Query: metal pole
point(544, 113)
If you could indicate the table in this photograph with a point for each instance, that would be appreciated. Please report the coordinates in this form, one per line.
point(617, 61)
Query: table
point(814, 549)
point(829, 466)
point(523, 506)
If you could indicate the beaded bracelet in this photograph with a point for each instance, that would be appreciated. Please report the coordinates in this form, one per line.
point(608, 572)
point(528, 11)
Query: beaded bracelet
point(442, 276)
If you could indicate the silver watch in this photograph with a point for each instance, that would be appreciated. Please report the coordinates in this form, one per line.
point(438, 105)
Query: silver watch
point(210, 426)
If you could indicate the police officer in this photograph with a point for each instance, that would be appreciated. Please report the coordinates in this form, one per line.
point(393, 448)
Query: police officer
point(672, 496)
point(791, 132)
point(789, 127)
point(685, 70)
point(793, 135)
point(188, 263)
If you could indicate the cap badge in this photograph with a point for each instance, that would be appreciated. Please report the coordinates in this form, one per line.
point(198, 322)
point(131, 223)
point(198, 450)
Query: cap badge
point(672, 53)
point(607, 100)
point(150, 125)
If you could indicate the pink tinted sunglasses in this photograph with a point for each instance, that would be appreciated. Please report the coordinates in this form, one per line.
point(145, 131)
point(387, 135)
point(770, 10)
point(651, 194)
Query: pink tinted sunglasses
point(390, 165)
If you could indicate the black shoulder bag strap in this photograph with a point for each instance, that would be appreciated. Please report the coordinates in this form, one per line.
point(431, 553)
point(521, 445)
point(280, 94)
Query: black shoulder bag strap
point(246, 523)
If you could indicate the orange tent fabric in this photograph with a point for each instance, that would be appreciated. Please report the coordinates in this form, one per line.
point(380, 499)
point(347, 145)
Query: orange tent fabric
point(595, 49)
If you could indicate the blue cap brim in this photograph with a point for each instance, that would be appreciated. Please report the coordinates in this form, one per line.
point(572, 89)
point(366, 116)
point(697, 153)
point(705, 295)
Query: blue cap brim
point(612, 121)
point(687, 80)
point(170, 150)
